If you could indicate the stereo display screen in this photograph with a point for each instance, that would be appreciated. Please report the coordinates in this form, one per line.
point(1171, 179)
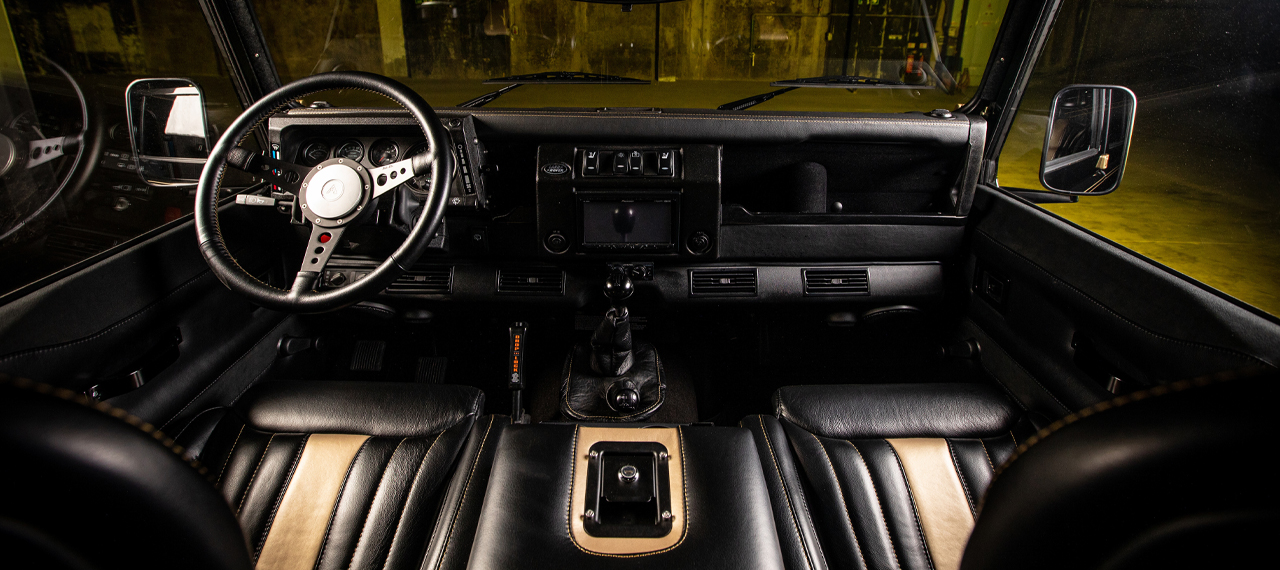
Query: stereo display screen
point(617, 222)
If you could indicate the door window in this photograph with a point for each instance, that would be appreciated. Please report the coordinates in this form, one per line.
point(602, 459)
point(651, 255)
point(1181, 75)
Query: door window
point(1200, 192)
point(68, 185)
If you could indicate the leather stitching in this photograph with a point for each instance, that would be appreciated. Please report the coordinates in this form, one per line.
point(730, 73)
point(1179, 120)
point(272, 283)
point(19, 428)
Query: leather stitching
point(876, 494)
point(911, 499)
point(408, 494)
point(462, 501)
point(1117, 315)
point(988, 453)
point(108, 409)
point(786, 493)
point(229, 455)
point(857, 546)
point(253, 475)
point(581, 416)
point(328, 529)
point(684, 473)
point(117, 324)
point(960, 475)
point(377, 491)
point(257, 550)
point(224, 373)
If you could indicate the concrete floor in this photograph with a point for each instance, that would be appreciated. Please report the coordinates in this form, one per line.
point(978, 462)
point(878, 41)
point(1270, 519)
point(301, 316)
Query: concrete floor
point(1208, 212)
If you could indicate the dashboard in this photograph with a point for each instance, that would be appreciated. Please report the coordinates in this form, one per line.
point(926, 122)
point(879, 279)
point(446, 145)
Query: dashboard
point(698, 207)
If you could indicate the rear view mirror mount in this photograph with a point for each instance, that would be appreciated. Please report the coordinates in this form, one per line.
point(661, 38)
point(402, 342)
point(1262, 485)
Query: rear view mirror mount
point(1086, 143)
point(168, 131)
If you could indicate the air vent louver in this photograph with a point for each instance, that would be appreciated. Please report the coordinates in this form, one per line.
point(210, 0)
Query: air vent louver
point(531, 281)
point(734, 282)
point(836, 281)
point(423, 280)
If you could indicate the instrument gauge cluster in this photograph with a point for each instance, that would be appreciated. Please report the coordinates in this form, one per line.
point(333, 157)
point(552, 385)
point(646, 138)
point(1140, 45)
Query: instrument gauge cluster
point(383, 152)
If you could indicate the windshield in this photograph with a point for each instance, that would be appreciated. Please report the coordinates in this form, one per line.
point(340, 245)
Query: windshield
point(925, 54)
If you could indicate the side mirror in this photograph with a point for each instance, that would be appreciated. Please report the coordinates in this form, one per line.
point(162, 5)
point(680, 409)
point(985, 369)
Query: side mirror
point(1087, 142)
point(168, 130)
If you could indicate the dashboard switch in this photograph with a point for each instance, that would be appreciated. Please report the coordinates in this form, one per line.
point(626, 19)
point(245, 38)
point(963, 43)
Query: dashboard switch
point(620, 162)
point(634, 162)
point(591, 166)
point(666, 161)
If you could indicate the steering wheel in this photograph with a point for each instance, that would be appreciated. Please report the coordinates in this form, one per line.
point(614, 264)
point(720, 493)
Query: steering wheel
point(331, 196)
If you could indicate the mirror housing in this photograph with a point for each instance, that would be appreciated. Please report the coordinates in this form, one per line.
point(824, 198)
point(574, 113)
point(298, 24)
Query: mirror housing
point(168, 130)
point(1086, 143)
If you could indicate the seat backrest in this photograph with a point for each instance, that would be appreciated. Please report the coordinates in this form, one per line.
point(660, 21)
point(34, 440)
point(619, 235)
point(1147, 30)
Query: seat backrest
point(1178, 476)
point(83, 488)
point(348, 475)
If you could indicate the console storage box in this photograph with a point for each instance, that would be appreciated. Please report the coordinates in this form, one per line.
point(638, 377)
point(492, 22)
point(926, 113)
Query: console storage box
point(538, 498)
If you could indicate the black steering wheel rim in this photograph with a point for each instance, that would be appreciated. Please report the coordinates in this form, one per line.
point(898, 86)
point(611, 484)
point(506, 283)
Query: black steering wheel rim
point(302, 298)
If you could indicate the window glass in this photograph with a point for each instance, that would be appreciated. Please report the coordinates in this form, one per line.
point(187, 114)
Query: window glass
point(1200, 192)
point(921, 54)
point(65, 66)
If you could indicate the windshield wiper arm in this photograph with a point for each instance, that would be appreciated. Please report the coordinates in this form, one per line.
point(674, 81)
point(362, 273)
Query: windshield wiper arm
point(753, 100)
point(840, 81)
point(567, 77)
point(488, 97)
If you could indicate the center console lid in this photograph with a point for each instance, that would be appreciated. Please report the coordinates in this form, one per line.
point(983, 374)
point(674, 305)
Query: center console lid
point(712, 506)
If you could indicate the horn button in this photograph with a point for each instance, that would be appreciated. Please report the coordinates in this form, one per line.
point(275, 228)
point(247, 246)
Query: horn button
point(335, 189)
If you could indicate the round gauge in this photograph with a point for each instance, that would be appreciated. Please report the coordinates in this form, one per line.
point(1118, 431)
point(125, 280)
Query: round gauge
point(350, 150)
point(314, 153)
point(420, 184)
point(383, 152)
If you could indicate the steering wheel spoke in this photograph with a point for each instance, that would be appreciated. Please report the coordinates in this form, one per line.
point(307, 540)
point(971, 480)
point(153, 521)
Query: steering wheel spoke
point(287, 175)
point(391, 176)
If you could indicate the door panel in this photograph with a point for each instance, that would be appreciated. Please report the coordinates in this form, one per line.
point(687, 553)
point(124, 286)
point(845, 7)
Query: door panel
point(1073, 309)
point(124, 313)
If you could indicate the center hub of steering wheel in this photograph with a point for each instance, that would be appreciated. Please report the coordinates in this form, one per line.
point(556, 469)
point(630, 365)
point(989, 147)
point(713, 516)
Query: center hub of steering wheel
point(333, 190)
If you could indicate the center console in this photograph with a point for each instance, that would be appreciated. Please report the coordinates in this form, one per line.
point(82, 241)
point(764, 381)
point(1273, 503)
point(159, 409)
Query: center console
point(592, 496)
point(611, 201)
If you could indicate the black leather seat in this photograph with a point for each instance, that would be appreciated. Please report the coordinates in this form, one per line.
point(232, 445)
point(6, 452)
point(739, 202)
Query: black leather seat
point(894, 476)
point(317, 474)
point(883, 476)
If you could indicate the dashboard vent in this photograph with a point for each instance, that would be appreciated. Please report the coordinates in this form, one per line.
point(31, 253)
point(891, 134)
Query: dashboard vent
point(531, 281)
point(836, 281)
point(732, 282)
point(419, 280)
point(69, 244)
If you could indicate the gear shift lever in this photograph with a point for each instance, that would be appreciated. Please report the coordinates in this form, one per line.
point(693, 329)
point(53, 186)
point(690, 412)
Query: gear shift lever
point(611, 342)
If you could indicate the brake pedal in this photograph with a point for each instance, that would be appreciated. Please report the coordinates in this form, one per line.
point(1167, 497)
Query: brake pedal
point(431, 369)
point(368, 356)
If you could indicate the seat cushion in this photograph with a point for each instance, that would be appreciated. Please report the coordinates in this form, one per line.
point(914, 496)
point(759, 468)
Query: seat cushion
point(341, 474)
point(883, 476)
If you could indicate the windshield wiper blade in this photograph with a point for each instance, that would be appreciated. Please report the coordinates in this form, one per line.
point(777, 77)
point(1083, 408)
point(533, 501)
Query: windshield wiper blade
point(753, 100)
point(839, 81)
point(488, 97)
point(567, 77)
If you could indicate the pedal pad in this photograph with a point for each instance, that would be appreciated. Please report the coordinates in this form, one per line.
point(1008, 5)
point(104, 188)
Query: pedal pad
point(431, 369)
point(368, 356)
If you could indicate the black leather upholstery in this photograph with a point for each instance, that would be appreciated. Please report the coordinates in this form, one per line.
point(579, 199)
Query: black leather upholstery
point(1176, 477)
point(392, 495)
point(525, 524)
point(84, 489)
point(896, 410)
point(587, 395)
point(843, 499)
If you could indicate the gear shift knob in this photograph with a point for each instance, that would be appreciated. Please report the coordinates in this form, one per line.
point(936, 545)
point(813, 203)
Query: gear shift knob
point(618, 287)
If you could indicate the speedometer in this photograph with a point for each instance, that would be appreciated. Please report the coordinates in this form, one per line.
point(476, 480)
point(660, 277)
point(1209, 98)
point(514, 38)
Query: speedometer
point(383, 152)
point(350, 150)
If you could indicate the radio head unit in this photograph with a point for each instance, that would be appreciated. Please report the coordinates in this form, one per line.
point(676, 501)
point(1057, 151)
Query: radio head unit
point(613, 222)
